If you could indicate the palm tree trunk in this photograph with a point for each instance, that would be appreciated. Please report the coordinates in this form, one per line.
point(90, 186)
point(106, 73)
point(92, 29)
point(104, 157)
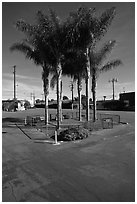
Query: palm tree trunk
point(87, 86)
point(45, 75)
point(94, 98)
point(87, 98)
point(61, 97)
point(58, 110)
point(79, 97)
point(59, 74)
point(72, 96)
point(46, 109)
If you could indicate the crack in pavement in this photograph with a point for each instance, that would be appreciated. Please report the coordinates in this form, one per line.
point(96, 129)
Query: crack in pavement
point(10, 184)
point(12, 190)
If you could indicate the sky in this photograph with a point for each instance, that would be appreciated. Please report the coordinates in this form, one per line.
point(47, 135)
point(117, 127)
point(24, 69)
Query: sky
point(28, 75)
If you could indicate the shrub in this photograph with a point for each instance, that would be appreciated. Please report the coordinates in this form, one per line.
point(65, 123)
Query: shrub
point(72, 134)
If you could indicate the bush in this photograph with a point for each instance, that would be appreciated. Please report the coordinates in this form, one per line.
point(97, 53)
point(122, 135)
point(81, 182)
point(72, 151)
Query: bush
point(72, 134)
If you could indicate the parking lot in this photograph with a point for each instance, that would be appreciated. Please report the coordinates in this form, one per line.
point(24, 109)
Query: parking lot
point(100, 168)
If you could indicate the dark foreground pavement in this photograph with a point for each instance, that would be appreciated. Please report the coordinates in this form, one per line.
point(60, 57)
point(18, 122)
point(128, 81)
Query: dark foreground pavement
point(99, 168)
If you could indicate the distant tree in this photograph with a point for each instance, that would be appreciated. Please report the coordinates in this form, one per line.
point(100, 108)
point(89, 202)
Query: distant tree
point(27, 105)
point(65, 98)
point(75, 98)
point(83, 97)
point(90, 100)
point(37, 100)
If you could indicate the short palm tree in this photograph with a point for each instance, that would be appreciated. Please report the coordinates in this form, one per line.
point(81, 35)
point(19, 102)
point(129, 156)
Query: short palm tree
point(96, 67)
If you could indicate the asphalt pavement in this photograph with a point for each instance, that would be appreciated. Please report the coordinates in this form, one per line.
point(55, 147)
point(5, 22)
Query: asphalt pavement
point(100, 168)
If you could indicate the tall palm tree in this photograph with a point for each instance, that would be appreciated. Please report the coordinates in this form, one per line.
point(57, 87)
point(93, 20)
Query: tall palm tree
point(58, 41)
point(34, 48)
point(85, 30)
point(96, 67)
point(34, 55)
point(45, 45)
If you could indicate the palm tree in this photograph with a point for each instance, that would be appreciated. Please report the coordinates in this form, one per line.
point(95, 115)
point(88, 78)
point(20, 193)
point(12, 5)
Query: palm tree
point(84, 31)
point(34, 48)
point(34, 55)
point(74, 66)
point(58, 42)
point(96, 67)
point(45, 45)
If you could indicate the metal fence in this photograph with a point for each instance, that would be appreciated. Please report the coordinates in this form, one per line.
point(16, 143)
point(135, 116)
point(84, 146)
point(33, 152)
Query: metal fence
point(114, 118)
point(103, 120)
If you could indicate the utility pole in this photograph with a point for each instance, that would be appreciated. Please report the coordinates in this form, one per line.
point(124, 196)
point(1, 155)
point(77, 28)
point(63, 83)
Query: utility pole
point(34, 97)
point(14, 74)
point(113, 82)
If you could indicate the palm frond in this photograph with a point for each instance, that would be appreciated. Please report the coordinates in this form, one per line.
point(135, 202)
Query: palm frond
point(74, 63)
point(22, 47)
point(53, 81)
point(55, 20)
point(79, 23)
point(110, 65)
point(104, 51)
point(42, 19)
point(44, 24)
point(29, 52)
point(26, 28)
point(105, 20)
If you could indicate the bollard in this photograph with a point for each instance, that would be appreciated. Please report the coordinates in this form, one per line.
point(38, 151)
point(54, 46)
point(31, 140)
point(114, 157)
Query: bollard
point(56, 140)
